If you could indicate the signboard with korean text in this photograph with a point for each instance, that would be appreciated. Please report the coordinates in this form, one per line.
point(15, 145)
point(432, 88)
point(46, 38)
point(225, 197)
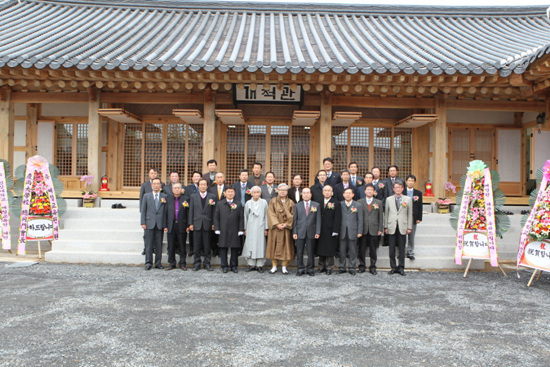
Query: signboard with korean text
point(39, 228)
point(536, 255)
point(476, 245)
point(272, 94)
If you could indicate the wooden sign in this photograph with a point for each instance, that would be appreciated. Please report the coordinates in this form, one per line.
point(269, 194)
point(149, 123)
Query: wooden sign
point(271, 94)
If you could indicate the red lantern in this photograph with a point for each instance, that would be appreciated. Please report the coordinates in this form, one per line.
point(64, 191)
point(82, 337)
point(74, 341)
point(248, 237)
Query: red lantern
point(429, 189)
point(104, 183)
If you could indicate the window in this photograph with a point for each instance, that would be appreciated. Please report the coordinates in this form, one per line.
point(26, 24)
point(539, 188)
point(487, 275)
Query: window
point(72, 149)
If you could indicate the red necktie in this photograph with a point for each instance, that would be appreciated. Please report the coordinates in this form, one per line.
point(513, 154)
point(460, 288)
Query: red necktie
point(307, 209)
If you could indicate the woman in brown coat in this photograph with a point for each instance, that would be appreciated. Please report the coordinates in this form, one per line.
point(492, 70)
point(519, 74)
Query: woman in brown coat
point(280, 245)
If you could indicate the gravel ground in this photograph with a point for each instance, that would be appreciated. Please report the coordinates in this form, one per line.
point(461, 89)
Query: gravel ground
point(92, 315)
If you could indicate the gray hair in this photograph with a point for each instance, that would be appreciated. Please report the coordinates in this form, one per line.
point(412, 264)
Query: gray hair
point(282, 185)
point(255, 188)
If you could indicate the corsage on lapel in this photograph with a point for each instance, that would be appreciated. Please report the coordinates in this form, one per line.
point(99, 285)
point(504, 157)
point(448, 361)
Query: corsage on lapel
point(313, 209)
point(211, 202)
point(375, 206)
point(233, 206)
point(415, 198)
point(162, 200)
point(330, 206)
point(404, 204)
point(353, 209)
point(381, 185)
point(185, 204)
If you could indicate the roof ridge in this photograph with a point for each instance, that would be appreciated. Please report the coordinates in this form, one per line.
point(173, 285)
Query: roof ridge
point(389, 10)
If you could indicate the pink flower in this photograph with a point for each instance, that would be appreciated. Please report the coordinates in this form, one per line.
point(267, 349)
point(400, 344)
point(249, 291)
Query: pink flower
point(353, 209)
point(415, 198)
point(37, 163)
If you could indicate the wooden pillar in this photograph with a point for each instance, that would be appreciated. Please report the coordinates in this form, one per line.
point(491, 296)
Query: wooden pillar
point(547, 120)
point(421, 156)
point(440, 147)
point(32, 128)
point(94, 137)
point(325, 128)
point(112, 154)
point(7, 127)
point(518, 119)
point(209, 129)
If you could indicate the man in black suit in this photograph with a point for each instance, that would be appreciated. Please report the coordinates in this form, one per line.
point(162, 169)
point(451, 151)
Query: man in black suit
point(210, 176)
point(295, 192)
point(191, 189)
point(174, 178)
point(305, 230)
point(218, 190)
point(356, 180)
point(378, 192)
point(229, 226)
point(242, 188)
point(201, 215)
point(333, 178)
point(416, 196)
point(317, 189)
point(331, 218)
point(373, 226)
point(339, 188)
point(393, 170)
point(257, 178)
point(153, 221)
point(177, 209)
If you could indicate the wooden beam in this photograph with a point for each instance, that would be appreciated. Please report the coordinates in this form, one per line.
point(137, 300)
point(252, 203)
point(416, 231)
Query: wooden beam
point(383, 102)
point(94, 137)
point(209, 128)
point(32, 127)
point(513, 106)
point(162, 98)
point(7, 127)
point(21, 97)
point(518, 119)
point(440, 147)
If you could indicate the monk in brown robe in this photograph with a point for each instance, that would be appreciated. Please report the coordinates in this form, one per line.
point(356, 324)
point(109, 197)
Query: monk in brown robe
point(280, 245)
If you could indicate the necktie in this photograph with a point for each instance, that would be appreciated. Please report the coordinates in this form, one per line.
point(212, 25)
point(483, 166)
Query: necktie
point(353, 181)
point(270, 189)
point(410, 193)
point(307, 208)
point(219, 193)
point(297, 195)
point(177, 205)
point(398, 201)
point(157, 201)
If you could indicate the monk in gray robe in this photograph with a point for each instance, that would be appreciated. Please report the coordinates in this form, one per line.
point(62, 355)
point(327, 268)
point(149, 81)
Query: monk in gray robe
point(255, 229)
point(280, 215)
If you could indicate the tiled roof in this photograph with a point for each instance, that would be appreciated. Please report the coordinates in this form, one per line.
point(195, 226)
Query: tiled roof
point(175, 35)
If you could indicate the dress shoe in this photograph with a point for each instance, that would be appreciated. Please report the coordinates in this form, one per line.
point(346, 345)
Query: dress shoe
point(360, 271)
point(143, 252)
point(120, 206)
point(184, 268)
point(235, 270)
point(171, 267)
point(411, 257)
point(352, 272)
point(342, 271)
point(113, 206)
point(196, 268)
point(224, 270)
point(373, 271)
point(299, 274)
point(190, 253)
point(260, 269)
point(393, 271)
point(311, 273)
point(321, 271)
point(250, 268)
point(159, 267)
point(329, 272)
point(209, 268)
point(148, 267)
point(402, 272)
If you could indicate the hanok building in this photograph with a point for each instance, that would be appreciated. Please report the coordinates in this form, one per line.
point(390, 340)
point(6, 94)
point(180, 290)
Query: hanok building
point(114, 88)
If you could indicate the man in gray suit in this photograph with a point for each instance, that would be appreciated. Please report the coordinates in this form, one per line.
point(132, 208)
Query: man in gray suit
point(269, 191)
point(373, 225)
point(153, 221)
point(350, 230)
point(257, 178)
point(201, 216)
point(306, 229)
point(398, 224)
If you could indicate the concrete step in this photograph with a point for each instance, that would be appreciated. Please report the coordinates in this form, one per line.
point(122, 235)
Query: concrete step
point(99, 246)
point(101, 235)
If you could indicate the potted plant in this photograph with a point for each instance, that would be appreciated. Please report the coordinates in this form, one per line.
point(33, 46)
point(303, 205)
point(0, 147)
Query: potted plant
point(88, 195)
point(443, 204)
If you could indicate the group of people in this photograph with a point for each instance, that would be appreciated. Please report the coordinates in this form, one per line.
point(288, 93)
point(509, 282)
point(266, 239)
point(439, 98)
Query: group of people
point(341, 215)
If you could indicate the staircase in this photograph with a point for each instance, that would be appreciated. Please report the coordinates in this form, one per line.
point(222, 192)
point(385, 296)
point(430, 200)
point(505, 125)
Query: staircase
point(103, 235)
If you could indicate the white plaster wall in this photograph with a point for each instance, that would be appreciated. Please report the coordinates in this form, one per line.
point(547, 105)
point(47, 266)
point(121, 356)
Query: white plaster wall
point(20, 109)
point(480, 117)
point(529, 116)
point(20, 133)
point(64, 109)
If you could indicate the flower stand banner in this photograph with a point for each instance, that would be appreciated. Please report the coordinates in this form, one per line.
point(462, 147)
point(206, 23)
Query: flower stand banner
point(476, 219)
point(534, 246)
point(4, 210)
point(39, 212)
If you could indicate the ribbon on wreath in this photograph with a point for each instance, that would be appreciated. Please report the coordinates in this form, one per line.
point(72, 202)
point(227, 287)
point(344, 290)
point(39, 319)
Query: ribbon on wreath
point(36, 164)
point(4, 210)
point(529, 222)
point(489, 215)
